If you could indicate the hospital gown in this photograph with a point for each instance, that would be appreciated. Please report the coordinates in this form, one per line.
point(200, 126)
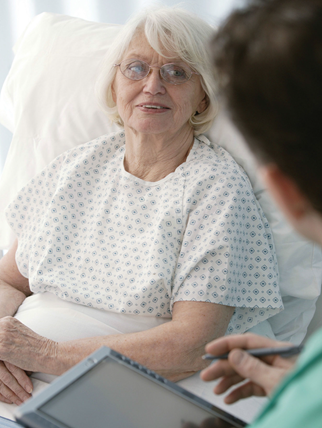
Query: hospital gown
point(91, 233)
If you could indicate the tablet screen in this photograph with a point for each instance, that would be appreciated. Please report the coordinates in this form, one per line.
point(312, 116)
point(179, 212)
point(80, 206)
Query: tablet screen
point(115, 396)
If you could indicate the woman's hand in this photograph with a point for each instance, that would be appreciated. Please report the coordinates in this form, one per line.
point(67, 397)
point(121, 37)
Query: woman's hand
point(263, 374)
point(15, 385)
point(25, 349)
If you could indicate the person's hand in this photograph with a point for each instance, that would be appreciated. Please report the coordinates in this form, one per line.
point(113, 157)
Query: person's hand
point(22, 347)
point(15, 385)
point(263, 374)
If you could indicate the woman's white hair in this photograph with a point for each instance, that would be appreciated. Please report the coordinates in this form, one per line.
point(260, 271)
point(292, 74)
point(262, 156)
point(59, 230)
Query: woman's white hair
point(171, 29)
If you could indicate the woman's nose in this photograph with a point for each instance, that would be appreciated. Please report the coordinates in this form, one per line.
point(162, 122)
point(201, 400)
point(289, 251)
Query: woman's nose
point(153, 83)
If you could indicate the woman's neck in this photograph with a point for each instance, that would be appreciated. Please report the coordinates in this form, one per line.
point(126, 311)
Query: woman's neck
point(152, 157)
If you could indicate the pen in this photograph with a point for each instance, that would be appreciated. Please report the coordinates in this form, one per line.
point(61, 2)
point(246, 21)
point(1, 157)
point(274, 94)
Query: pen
point(285, 351)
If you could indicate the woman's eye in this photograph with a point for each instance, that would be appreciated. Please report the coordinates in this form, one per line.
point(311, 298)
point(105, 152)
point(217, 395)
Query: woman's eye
point(177, 72)
point(136, 68)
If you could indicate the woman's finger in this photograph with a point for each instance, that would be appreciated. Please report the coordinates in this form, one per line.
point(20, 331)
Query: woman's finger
point(3, 399)
point(9, 395)
point(21, 377)
point(10, 388)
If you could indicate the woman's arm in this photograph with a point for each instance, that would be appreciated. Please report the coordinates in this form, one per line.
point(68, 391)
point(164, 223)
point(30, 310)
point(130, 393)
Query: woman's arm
point(15, 385)
point(173, 349)
point(14, 287)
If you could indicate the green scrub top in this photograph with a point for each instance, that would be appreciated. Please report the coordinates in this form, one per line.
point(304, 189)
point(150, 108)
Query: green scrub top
point(297, 402)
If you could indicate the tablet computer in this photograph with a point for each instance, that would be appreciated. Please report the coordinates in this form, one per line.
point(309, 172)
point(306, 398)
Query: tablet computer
point(8, 423)
point(110, 390)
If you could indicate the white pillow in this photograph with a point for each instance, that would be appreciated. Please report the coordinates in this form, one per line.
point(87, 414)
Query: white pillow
point(48, 98)
point(49, 104)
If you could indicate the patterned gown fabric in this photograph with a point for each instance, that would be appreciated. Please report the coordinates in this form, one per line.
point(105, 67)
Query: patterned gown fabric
point(91, 233)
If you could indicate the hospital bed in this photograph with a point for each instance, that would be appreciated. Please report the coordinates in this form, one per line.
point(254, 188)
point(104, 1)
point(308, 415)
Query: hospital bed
point(48, 102)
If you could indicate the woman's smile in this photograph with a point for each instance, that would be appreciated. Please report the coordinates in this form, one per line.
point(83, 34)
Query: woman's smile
point(153, 108)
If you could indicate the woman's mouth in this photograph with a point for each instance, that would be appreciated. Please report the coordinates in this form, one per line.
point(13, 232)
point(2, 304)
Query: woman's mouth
point(153, 107)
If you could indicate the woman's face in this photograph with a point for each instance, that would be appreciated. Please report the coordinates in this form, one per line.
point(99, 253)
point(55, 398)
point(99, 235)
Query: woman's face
point(176, 103)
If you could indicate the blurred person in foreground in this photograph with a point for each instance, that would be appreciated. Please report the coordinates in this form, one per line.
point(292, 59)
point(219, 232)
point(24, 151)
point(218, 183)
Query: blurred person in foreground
point(269, 59)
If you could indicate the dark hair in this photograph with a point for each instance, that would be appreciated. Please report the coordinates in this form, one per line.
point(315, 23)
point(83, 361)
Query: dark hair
point(268, 57)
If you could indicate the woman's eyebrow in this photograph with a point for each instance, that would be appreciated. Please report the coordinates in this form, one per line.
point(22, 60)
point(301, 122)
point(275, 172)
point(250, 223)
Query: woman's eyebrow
point(142, 57)
point(134, 55)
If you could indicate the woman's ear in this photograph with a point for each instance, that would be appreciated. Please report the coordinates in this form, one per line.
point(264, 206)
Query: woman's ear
point(204, 103)
point(113, 92)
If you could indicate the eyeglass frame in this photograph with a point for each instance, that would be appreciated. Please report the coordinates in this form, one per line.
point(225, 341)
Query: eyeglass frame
point(151, 68)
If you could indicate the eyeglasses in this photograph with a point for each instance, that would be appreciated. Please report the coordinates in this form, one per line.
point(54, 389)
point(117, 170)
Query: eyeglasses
point(135, 69)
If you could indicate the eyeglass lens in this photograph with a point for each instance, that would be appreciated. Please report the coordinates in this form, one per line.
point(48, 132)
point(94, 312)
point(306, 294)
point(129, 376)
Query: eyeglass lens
point(135, 69)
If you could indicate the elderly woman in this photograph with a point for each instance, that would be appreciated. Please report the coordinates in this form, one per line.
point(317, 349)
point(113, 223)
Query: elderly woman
point(149, 227)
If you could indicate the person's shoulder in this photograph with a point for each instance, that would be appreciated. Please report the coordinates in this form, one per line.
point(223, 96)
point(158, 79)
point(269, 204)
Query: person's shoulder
point(313, 349)
point(210, 161)
point(103, 145)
